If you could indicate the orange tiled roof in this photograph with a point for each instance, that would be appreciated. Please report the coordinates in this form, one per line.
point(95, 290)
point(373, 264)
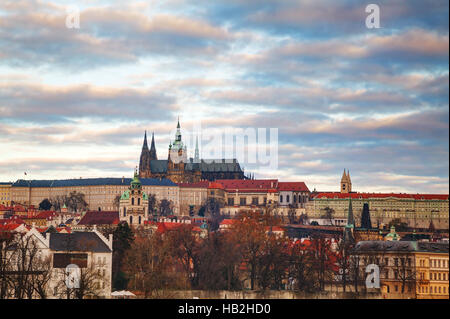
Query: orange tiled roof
point(293, 186)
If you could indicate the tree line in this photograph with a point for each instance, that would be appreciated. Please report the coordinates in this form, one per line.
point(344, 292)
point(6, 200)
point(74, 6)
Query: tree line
point(249, 254)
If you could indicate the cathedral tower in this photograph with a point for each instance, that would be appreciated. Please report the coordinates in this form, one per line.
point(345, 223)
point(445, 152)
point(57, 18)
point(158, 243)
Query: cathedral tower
point(144, 162)
point(346, 183)
point(153, 155)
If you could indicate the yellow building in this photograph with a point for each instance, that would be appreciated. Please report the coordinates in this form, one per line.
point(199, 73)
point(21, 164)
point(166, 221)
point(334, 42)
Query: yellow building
point(408, 269)
point(192, 197)
point(418, 210)
point(100, 193)
point(5, 194)
point(432, 272)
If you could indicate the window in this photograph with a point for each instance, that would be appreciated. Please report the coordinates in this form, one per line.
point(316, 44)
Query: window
point(243, 201)
point(231, 201)
point(255, 201)
point(132, 201)
point(287, 198)
point(139, 201)
point(61, 260)
point(281, 198)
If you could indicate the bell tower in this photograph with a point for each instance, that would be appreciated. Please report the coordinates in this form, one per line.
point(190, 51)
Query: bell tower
point(346, 183)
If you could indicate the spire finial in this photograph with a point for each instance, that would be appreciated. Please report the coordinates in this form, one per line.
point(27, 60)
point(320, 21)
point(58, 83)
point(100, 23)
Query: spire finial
point(197, 153)
point(145, 145)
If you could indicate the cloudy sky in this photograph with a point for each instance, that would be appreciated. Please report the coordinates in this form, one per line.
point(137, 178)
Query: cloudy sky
point(76, 102)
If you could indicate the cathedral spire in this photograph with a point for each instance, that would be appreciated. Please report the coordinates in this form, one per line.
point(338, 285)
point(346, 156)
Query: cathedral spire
point(197, 153)
point(153, 155)
point(145, 145)
point(348, 232)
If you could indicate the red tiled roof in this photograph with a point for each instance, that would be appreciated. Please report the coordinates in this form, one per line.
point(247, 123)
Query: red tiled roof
point(275, 228)
point(293, 186)
point(215, 185)
point(228, 222)
point(100, 218)
point(46, 214)
point(202, 184)
point(249, 185)
point(18, 208)
point(166, 226)
point(338, 195)
point(9, 227)
point(13, 219)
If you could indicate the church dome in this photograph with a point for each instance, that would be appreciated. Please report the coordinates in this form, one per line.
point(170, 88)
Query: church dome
point(136, 183)
point(125, 195)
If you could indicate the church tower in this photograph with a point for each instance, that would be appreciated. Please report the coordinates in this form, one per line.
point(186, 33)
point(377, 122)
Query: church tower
point(346, 183)
point(144, 162)
point(153, 155)
point(177, 150)
point(133, 207)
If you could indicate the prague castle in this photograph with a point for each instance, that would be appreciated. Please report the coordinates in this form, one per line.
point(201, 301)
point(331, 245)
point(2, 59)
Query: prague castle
point(179, 169)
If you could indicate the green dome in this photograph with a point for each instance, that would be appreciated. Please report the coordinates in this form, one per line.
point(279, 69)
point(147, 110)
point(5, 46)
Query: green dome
point(125, 195)
point(136, 183)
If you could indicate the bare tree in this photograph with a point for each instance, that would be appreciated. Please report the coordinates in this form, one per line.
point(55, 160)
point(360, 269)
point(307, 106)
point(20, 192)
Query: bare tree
point(165, 207)
point(150, 266)
point(24, 271)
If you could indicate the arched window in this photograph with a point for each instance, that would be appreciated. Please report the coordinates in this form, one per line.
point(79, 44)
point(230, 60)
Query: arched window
point(131, 220)
point(139, 201)
point(132, 201)
point(139, 220)
point(124, 212)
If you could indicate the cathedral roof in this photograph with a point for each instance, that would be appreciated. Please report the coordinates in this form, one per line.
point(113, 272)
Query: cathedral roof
point(160, 166)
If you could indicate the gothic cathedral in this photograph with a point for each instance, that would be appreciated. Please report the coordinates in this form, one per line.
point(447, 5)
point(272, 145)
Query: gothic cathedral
point(179, 169)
